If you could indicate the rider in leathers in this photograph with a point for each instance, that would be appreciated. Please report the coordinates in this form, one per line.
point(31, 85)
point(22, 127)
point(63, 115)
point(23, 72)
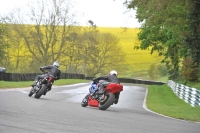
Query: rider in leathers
point(52, 70)
point(112, 78)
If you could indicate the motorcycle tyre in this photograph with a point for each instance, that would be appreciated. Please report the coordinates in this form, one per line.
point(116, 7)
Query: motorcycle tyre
point(108, 103)
point(84, 104)
point(41, 91)
point(30, 93)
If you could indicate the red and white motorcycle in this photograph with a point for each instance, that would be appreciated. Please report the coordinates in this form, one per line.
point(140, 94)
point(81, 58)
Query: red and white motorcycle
point(104, 100)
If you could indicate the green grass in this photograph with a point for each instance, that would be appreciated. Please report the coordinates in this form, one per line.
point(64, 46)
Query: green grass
point(163, 100)
point(8, 84)
point(194, 85)
point(163, 79)
point(190, 84)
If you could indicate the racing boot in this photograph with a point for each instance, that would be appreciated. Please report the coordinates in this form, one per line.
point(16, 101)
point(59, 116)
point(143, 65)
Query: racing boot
point(116, 97)
point(48, 89)
point(116, 101)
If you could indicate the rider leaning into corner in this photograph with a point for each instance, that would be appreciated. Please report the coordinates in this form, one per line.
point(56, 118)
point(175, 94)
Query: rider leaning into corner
point(111, 78)
point(51, 70)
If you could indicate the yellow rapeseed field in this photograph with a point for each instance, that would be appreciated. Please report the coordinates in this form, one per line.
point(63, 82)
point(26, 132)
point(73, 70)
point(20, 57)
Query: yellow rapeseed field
point(139, 61)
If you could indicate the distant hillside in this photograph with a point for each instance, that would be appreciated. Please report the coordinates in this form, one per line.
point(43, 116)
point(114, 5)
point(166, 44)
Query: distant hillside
point(138, 61)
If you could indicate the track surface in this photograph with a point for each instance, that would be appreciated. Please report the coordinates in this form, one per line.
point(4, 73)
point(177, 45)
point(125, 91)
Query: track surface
point(60, 111)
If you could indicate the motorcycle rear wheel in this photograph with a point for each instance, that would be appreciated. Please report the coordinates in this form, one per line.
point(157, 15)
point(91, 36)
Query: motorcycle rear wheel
point(41, 91)
point(107, 101)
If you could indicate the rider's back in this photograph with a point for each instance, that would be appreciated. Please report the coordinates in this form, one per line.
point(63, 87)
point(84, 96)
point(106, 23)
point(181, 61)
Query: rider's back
point(52, 70)
point(110, 78)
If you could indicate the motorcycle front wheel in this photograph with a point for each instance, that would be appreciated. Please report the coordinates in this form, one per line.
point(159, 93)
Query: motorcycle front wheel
point(41, 91)
point(107, 101)
point(84, 102)
point(31, 92)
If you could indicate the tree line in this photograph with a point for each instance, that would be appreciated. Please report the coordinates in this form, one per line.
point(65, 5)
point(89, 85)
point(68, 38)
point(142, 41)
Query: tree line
point(172, 28)
point(41, 36)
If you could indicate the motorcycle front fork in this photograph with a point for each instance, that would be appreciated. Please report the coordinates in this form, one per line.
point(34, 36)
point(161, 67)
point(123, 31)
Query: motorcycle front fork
point(35, 88)
point(98, 98)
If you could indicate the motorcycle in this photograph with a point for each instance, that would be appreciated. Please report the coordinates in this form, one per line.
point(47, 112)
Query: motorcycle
point(42, 86)
point(101, 100)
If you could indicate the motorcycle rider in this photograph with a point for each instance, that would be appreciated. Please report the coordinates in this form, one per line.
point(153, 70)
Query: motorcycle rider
point(111, 78)
point(52, 70)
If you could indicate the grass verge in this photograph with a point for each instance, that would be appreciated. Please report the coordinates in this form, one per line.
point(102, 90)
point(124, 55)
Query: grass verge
point(8, 84)
point(161, 99)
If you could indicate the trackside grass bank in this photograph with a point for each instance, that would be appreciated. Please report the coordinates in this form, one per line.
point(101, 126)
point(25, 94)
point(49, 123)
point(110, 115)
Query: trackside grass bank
point(8, 84)
point(161, 99)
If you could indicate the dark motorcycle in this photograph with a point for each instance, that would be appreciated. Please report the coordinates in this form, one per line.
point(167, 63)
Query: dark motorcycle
point(42, 86)
point(102, 100)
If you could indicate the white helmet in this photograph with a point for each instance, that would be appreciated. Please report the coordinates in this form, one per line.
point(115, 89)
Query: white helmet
point(56, 64)
point(113, 72)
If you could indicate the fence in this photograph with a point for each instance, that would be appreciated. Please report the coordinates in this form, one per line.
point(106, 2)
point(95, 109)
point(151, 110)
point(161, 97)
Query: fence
point(138, 81)
point(189, 95)
point(31, 76)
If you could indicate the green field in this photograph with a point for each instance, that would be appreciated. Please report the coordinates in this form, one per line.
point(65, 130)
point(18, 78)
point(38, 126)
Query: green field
point(139, 61)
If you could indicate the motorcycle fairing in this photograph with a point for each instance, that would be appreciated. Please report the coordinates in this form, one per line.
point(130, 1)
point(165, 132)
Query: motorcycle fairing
point(93, 88)
point(113, 88)
point(92, 102)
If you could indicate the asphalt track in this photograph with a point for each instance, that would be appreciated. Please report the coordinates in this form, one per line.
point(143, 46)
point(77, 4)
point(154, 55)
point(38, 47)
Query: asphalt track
point(60, 111)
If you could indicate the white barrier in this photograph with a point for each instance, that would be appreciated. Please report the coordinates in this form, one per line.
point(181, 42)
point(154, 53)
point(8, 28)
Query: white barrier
point(189, 95)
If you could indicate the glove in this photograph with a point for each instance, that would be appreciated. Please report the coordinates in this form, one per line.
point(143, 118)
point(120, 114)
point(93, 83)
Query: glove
point(41, 69)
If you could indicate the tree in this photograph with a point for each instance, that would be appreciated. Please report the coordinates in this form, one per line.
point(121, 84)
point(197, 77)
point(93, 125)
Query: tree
point(189, 70)
point(165, 25)
point(107, 56)
point(192, 39)
point(3, 43)
point(52, 36)
point(156, 71)
point(46, 39)
point(97, 53)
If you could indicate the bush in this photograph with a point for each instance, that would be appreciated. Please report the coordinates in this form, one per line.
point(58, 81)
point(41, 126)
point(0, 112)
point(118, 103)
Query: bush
point(157, 71)
point(189, 70)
